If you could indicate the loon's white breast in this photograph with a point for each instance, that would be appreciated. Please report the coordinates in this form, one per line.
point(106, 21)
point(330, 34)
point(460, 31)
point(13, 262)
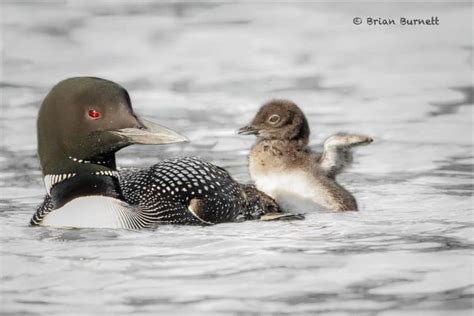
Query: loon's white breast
point(294, 191)
point(91, 212)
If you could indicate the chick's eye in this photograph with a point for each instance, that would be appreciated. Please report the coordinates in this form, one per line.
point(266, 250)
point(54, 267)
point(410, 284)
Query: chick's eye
point(274, 119)
point(94, 115)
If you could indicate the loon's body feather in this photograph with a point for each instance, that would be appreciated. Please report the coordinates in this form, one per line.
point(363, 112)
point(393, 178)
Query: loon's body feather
point(163, 193)
point(170, 186)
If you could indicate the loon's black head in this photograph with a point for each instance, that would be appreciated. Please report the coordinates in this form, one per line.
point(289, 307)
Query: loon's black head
point(279, 119)
point(84, 121)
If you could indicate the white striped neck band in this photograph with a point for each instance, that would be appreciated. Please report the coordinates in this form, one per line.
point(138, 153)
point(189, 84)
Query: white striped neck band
point(95, 162)
point(51, 180)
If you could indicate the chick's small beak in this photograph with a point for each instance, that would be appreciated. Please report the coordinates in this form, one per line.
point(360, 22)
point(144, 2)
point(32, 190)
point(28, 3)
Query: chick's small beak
point(248, 130)
point(149, 133)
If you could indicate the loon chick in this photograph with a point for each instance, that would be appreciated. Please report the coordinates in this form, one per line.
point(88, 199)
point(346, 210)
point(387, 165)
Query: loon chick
point(282, 166)
point(82, 123)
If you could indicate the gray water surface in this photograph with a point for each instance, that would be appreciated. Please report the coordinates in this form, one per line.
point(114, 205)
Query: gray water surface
point(204, 69)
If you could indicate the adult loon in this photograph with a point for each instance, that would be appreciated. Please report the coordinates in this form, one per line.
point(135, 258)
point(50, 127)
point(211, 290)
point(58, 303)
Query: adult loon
point(282, 166)
point(82, 123)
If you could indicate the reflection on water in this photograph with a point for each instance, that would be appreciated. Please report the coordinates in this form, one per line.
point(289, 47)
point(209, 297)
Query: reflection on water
point(203, 69)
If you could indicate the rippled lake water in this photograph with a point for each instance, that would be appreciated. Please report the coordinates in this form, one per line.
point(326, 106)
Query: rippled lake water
point(203, 69)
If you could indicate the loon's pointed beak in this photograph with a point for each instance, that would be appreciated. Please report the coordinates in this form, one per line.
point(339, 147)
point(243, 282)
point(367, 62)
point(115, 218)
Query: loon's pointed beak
point(151, 134)
point(248, 130)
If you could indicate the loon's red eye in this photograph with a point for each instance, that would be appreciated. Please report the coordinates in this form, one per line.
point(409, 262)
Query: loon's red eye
point(94, 115)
